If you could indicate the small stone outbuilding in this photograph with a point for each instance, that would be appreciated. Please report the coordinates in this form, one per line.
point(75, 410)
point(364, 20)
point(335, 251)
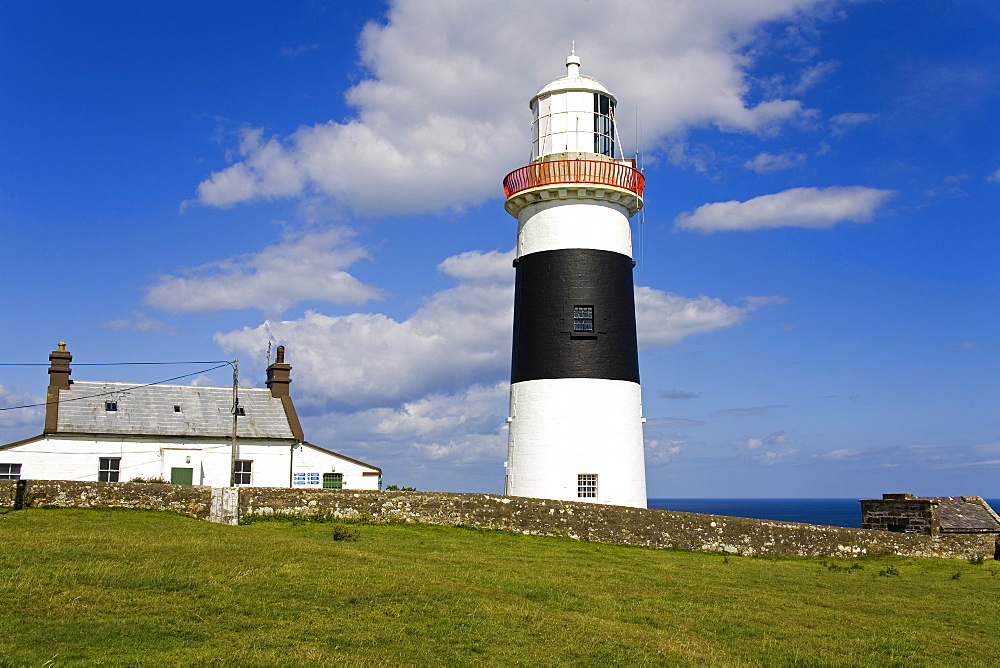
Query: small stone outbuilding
point(929, 515)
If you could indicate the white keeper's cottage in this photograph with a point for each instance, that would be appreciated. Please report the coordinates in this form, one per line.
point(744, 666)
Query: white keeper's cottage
point(114, 432)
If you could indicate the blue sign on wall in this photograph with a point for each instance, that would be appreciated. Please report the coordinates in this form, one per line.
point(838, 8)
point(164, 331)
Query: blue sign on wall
point(305, 479)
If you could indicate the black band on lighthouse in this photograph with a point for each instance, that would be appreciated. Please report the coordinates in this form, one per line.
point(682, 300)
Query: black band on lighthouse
point(574, 316)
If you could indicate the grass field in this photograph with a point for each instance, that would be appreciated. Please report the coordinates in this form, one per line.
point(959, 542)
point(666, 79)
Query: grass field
point(141, 587)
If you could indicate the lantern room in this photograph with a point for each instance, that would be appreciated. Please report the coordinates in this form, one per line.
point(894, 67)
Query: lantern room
point(573, 114)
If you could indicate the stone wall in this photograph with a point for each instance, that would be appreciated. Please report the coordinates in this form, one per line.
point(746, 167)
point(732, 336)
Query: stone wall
point(581, 521)
point(191, 500)
point(902, 515)
point(612, 524)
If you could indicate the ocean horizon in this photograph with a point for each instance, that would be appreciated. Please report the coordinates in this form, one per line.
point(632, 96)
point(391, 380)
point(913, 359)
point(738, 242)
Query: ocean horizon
point(827, 512)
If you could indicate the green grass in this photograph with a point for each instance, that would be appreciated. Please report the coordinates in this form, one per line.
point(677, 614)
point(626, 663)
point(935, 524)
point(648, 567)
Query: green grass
point(140, 587)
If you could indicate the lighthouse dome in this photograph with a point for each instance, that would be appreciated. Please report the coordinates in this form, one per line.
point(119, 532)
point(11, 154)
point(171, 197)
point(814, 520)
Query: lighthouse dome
point(573, 81)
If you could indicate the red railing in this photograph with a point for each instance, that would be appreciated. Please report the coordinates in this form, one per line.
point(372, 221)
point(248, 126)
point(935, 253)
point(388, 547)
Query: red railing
point(601, 172)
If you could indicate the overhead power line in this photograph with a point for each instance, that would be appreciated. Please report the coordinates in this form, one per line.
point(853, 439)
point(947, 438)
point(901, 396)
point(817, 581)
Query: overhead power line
point(127, 389)
point(115, 363)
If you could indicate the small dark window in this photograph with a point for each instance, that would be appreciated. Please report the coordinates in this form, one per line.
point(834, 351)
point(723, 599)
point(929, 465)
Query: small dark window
point(10, 471)
point(177, 409)
point(897, 528)
point(109, 468)
point(110, 405)
point(604, 125)
point(583, 318)
point(333, 481)
point(586, 486)
point(240, 410)
point(242, 471)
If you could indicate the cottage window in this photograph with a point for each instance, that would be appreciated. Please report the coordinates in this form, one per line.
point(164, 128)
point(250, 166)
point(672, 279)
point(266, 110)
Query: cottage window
point(177, 409)
point(240, 410)
point(333, 481)
point(242, 471)
point(110, 405)
point(586, 486)
point(583, 318)
point(109, 468)
point(10, 471)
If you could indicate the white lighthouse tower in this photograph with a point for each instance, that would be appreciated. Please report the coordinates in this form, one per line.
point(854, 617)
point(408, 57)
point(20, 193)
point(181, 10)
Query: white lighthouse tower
point(575, 406)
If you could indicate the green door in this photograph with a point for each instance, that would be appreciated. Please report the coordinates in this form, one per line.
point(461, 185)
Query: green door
point(181, 476)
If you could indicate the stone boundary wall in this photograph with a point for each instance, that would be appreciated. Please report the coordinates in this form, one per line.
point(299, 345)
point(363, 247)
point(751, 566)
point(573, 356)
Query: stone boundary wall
point(191, 500)
point(613, 524)
point(540, 517)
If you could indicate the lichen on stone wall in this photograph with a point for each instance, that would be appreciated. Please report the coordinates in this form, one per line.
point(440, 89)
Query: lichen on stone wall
point(190, 500)
point(537, 517)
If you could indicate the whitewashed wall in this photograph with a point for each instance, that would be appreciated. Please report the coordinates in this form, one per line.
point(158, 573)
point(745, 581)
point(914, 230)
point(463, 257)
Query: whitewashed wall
point(570, 223)
point(64, 457)
point(567, 426)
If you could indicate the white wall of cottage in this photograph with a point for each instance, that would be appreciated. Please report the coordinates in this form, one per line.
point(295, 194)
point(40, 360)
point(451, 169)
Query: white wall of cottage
point(275, 463)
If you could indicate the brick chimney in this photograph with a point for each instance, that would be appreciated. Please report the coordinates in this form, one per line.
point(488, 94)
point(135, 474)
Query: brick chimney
point(278, 379)
point(59, 371)
point(279, 375)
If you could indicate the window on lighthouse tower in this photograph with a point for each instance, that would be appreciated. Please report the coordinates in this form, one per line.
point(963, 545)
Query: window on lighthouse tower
point(586, 486)
point(604, 125)
point(583, 318)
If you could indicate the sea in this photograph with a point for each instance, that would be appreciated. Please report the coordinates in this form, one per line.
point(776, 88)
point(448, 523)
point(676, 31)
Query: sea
point(829, 512)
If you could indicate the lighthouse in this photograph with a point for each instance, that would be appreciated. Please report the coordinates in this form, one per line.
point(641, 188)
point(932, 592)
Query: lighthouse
point(575, 405)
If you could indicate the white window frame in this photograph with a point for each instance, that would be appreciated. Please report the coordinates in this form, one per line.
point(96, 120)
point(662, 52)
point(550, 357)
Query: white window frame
point(10, 471)
point(109, 471)
point(243, 470)
point(586, 485)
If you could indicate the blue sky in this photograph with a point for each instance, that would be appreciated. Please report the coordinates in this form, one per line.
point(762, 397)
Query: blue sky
point(817, 275)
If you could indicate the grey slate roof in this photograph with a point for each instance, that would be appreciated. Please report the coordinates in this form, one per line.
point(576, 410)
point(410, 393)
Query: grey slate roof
point(965, 513)
point(149, 410)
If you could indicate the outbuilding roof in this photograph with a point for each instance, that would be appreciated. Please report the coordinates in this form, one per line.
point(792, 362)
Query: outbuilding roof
point(965, 513)
point(169, 410)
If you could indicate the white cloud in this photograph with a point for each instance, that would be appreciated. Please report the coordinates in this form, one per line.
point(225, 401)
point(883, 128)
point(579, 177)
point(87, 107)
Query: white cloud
point(463, 427)
point(295, 51)
point(813, 75)
point(441, 116)
point(772, 449)
point(797, 207)
point(994, 176)
point(302, 266)
point(678, 394)
point(766, 162)
point(139, 322)
point(841, 123)
point(459, 337)
point(661, 452)
point(838, 455)
point(672, 422)
point(753, 410)
point(918, 456)
point(201, 380)
point(663, 319)
point(20, 417)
